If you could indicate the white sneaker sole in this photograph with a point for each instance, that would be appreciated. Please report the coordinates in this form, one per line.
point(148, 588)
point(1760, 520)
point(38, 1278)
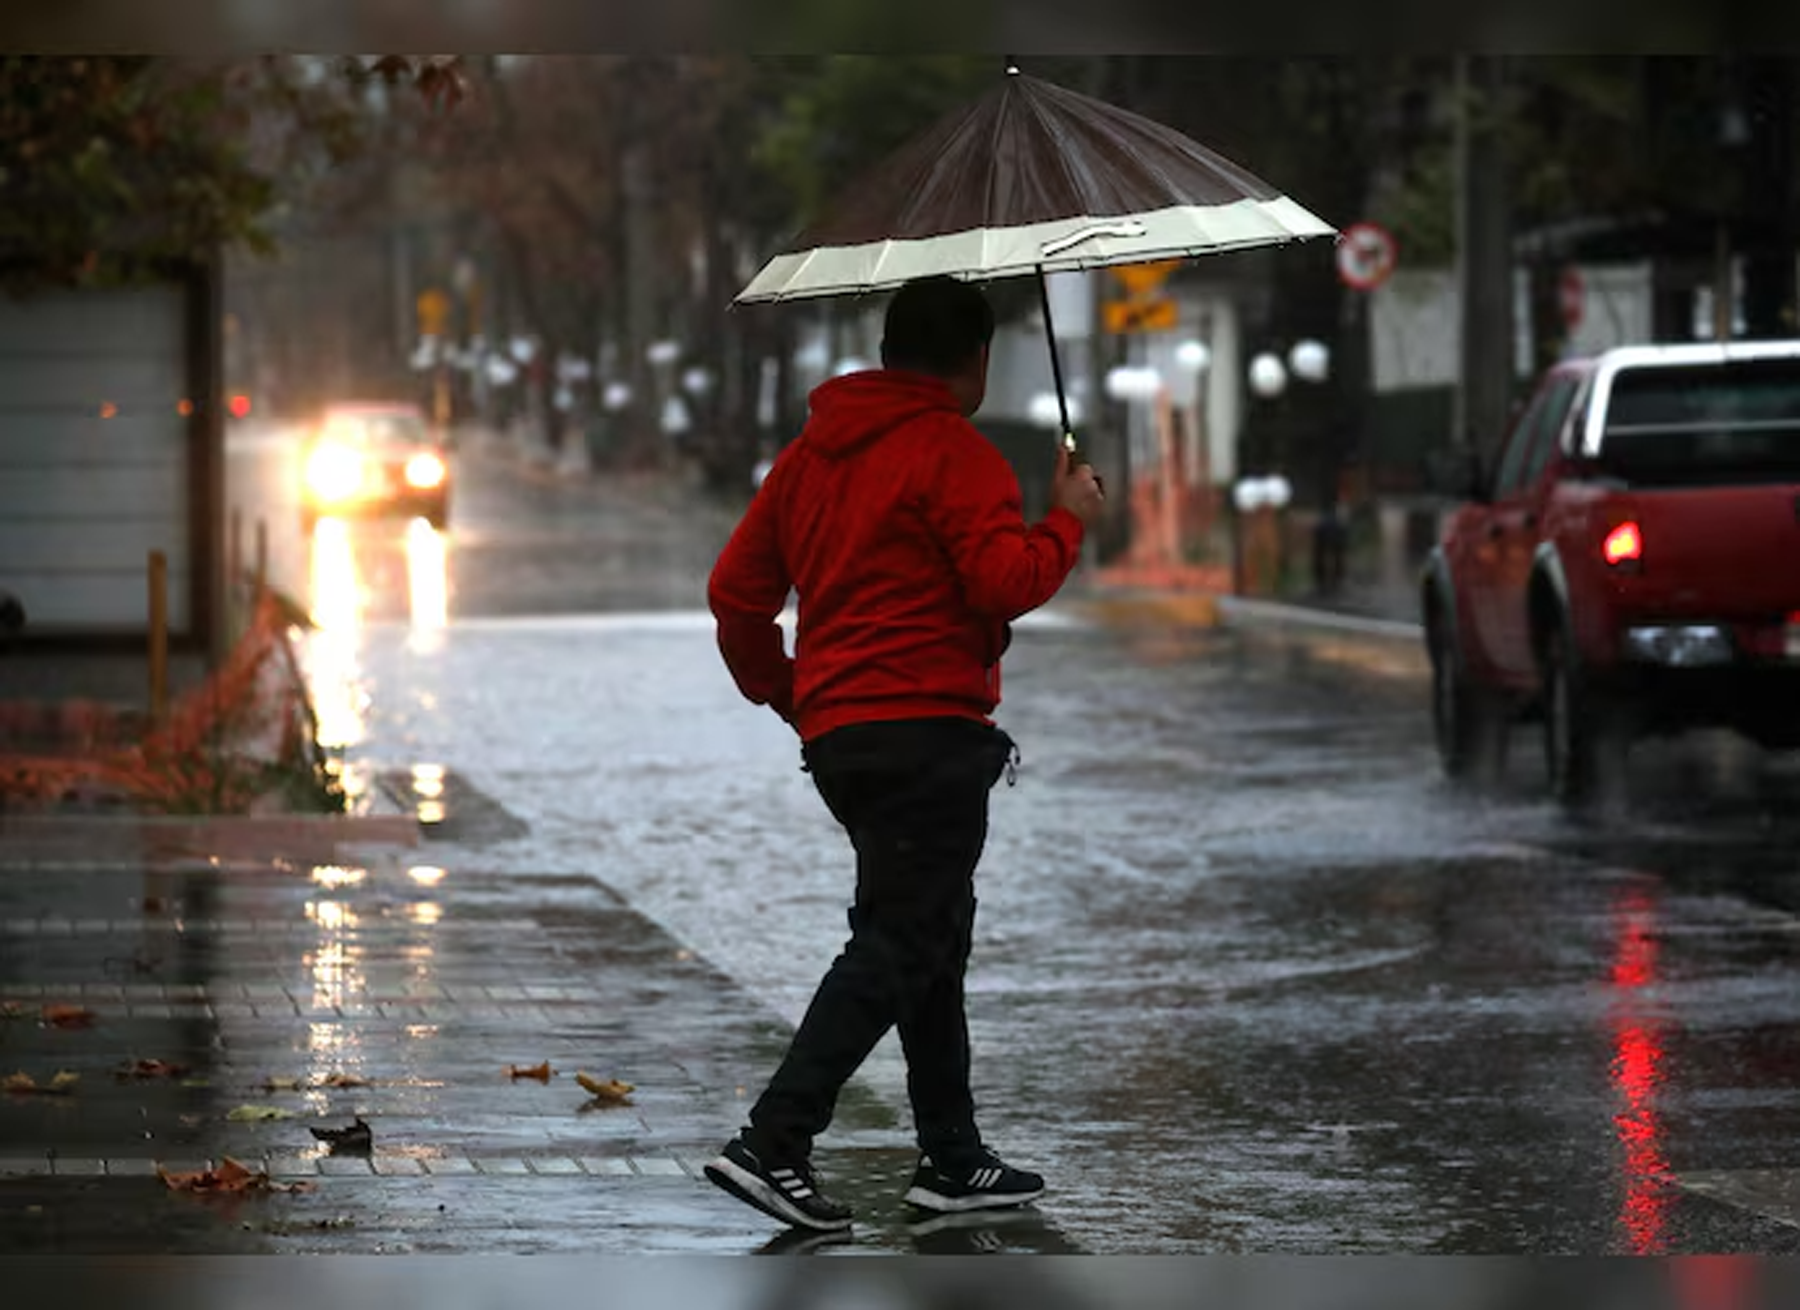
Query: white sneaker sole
point(753, 1191)
point(929, 1200)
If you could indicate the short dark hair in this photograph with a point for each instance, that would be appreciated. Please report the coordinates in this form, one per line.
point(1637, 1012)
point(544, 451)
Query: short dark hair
point(935, 325)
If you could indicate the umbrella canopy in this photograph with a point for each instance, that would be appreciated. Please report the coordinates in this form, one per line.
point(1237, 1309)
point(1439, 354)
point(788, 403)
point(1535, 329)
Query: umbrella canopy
point(1031, 178)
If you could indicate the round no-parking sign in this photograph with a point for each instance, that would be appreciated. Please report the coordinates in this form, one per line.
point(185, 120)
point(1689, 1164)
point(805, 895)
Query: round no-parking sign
point(1366, 255)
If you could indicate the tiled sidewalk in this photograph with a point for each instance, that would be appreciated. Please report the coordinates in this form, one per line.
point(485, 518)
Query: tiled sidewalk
point(421, 984)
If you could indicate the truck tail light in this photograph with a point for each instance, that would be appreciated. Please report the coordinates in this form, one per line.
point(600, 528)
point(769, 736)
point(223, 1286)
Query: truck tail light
point(1624, 544)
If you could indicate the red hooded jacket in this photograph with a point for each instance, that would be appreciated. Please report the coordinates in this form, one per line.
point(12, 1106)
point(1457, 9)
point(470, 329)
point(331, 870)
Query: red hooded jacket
point(901, 529)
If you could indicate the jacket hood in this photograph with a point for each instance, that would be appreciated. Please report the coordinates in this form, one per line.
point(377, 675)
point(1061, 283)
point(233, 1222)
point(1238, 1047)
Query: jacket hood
point(858, 409)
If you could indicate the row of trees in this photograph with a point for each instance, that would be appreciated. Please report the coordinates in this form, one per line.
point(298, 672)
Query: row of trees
point(615, 200)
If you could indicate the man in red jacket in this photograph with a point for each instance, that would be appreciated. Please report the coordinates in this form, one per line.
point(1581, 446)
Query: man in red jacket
point(900, 528)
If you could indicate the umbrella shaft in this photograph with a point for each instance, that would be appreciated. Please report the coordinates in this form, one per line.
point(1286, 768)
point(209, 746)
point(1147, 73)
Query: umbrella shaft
point(1062, 400)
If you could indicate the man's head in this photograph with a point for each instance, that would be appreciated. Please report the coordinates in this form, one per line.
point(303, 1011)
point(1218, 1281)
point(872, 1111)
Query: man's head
point(943, 327)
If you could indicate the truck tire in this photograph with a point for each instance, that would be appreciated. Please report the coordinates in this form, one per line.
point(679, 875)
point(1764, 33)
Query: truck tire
point(1584, 738)
point(1469, 721)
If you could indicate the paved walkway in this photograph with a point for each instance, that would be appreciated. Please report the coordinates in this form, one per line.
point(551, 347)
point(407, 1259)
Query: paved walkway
point(297, 995)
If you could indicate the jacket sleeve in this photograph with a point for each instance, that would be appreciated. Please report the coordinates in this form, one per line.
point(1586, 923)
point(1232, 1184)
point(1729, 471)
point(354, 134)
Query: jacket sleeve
point(747, 592)
point(975, 508)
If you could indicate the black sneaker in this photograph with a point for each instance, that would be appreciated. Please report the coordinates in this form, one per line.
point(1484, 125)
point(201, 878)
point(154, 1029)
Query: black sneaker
point(983, 1182)
point(787, 1192)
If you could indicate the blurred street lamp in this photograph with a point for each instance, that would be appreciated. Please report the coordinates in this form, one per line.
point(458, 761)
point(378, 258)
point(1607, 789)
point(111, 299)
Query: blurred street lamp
point(616, 396)
point(663, 353)
point(1252, 494)
point(1268, 376)
point(1044, 411)
point(1133, 385)
point(696, 381)
point(1310, 361)
point(1193, 357)
point(524, 349)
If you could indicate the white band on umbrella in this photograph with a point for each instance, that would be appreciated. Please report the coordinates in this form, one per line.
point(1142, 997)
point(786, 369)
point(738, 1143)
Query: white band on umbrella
point(1087, 241)
point(1126, 229)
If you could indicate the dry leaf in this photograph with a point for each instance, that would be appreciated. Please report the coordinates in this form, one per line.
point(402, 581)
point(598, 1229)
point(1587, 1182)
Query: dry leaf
point(68, 1016)
point(612, 1090)
point(541, 1072)
point(343, 1080)
point(152, 1069)
point(251, 1114)
point(280, 1085)
point(23, 1084)
point(231, 1177)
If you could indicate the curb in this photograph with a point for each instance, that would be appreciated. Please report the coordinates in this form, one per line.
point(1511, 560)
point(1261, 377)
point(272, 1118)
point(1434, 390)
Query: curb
point(1280, 612)
point(33, 838)
point(1161, 609)
point(1385, 647)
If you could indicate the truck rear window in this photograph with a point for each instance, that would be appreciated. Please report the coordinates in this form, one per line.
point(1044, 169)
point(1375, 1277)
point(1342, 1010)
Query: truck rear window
point(1704, 424)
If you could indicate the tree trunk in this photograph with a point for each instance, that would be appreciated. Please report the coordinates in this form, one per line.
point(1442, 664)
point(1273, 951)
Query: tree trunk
point(1769, 265)
point(1484, 250)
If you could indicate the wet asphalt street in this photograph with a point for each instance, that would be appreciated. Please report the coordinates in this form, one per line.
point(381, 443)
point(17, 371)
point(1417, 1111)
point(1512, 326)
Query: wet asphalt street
point(1247, 977)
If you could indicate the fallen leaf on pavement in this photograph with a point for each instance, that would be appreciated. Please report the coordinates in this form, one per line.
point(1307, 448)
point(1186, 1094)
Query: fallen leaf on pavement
point(231, 1176)
point(343, 1080)
point(541, 1072)
point(152, 1069)
point(11, 1010)
point(357, 1139)
point(280, 1085)
point(192, 1120)
point(251, 1114)
point(291, 1227)
point(68, 1016)
point(612, 1090)
point(23, 1084)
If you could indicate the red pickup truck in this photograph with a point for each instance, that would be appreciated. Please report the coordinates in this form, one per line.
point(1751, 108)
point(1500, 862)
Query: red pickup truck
point(1629, 566)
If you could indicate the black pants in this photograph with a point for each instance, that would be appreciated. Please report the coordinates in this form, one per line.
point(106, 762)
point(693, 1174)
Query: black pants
point(913, 797)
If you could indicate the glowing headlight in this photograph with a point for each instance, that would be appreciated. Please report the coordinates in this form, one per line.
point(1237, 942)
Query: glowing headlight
point(424, 470)
point(334, 472)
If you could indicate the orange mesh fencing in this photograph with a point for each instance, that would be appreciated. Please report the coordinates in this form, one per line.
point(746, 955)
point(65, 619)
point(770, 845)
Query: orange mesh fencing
point(221, 748)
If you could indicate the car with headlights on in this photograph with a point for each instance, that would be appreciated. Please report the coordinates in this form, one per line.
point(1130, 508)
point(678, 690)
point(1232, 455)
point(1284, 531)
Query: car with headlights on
point(1629, 567)
point(375, 460)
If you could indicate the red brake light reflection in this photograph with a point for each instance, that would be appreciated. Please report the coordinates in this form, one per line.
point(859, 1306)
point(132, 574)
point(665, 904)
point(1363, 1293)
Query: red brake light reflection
point(1625, 542)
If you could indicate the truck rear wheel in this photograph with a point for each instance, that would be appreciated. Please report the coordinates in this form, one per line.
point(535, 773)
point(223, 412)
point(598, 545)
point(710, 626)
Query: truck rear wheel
point(1584, 739)
point(1469, 721)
